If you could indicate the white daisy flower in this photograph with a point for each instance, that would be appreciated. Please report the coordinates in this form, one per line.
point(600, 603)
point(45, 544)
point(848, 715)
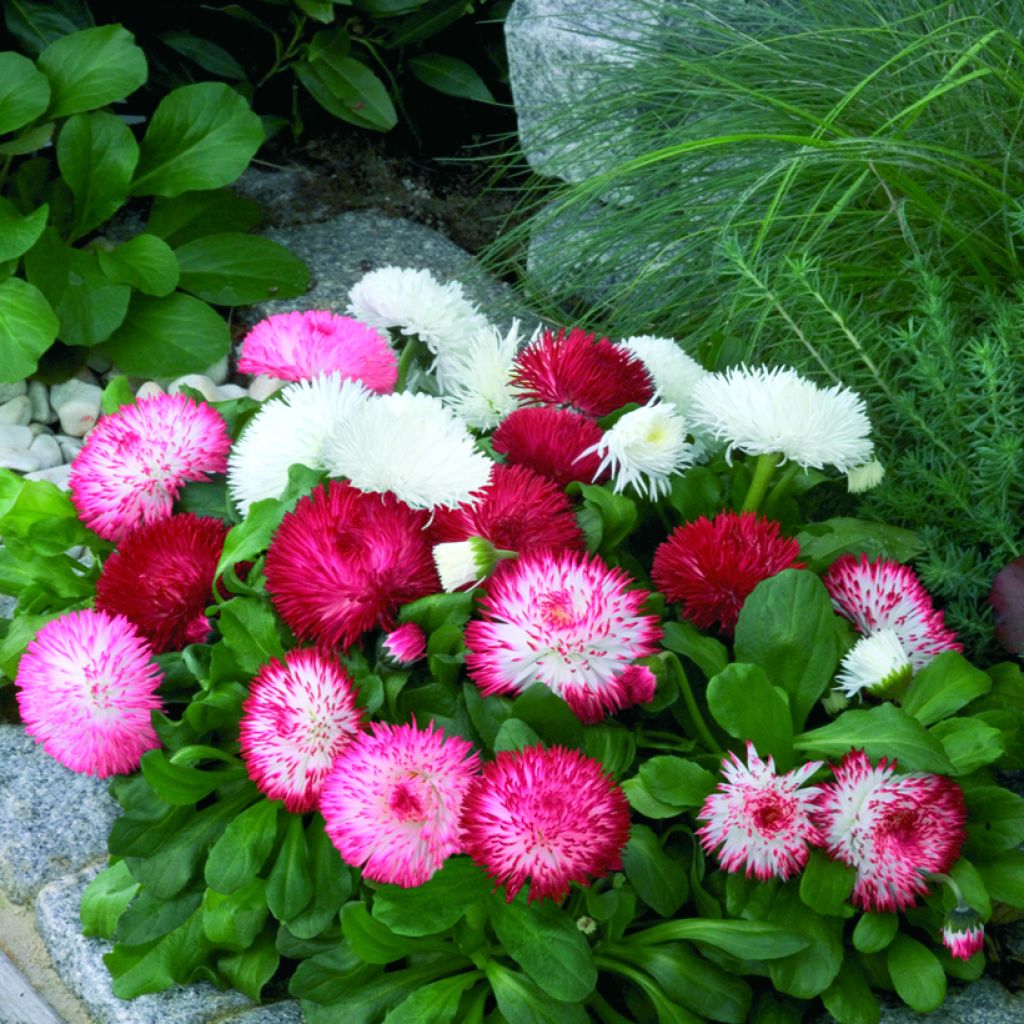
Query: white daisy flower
point(645, 448)
point(409, 444)
point(864, 478)
point(877, 663)
point(675, 374)
point(290, 429)
point(477, 382)
point(762, 411)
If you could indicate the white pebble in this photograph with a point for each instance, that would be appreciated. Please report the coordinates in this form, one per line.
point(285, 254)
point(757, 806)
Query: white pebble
point(69, 446)
point(16, 410)
point(12, 390)
point(14, 435)
point(232, 391)
point(262, 387)
point(57, 475)
point(218, 373)
point(197, 382)
point(77, 405)
point(39, 396)
point(149, 389)
point(18, 459)
point(47, 451)
point(39, 428)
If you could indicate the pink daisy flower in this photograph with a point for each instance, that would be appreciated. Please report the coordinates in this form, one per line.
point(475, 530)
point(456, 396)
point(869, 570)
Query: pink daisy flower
point(551, 442)
point(886, 595)
point(963, 933)
point(566, 620)
point(161, 579)
point(761, 820)
point(518, 510)
point(891, 828)
point(550, 817)
point(135, 462)
point(711, 566)
point(343, 562)
point(393, 799)
point(299, 716)
point(405, 645)
point(86, 687)
point(298, 346)
point(575, 371)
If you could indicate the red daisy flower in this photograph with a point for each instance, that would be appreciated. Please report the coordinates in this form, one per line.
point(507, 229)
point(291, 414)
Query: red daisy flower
point(551, 442)
point(161, 579)
point(576, 371)
point(519, 510)
point(343, 562)
point(711, 566)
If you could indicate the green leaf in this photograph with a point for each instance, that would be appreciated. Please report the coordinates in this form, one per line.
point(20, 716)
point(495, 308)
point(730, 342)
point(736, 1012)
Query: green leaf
point(31, 139)
point(657, 877)
point(193, 215)
point(18, 234)
point(946, 684)
point(427, 21)
point(882, 731)
point(436, 610)
point(92, 68)
point(388, 8)
point(182, 785)
point(612, 744)
point(822, 543)
point(969, 743)
point(234, 269)
point(874, 932)
point(916, 974)
point(97, 155)
point(249, 628)
point(546, 943)
point(116, 394)
point(169, 336)
point(514, 735)
point(677, 781)
point(642, 800)
point(748, 707)
point(995, 822)
point(370, 940)
point(437, 904)
point(436, 1003)
point(38, 518)
point(548, 715)
point(707, 653)
point(201, 136)
point(105, 899)
point(332, 883)
point(251, 969)
point(611, 517)
point(243, 848)
point(787, 626)
point(825, 884)
point(145, 262)
point(330, 977)
point(36, 23)
point(1004, 878)
point(208, 55)
point(849, 998)
point(28, 327)
point(235, 919)
point(810, 972)
point(290, 883)
point(348, 89)
point(159, 965)
point(151, 917)
point(746, 940)
point(451, 76)
point(318, 10)
point(24, 92)
point(521, 1002)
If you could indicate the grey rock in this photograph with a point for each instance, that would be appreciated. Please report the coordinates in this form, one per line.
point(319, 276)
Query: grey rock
point(16, 410)
point(47, 451)
point(52, 820)
point(58, 475)
point(16, 435)
point(79, 962)
point(12, 390)
point(69, 446)
point(289, 195)
point(39, 396)
point(17, 459)
point(78, 405)
point(7, 606)
point(983, 1002)
point(39, 428)
point(288, 1012)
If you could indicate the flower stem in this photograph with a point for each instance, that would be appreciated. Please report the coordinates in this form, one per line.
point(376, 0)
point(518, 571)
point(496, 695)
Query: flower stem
point(699, 725)
point(763, 470)
point(410, 351)
point(778, 492)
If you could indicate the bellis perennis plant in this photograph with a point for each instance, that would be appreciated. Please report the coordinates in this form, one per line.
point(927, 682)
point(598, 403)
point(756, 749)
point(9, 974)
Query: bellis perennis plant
point(469, 677)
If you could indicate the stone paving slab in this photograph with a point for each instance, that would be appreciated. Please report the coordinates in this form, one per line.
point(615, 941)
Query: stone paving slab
point(79, 961)
point(52, 820)
point(288, 1012)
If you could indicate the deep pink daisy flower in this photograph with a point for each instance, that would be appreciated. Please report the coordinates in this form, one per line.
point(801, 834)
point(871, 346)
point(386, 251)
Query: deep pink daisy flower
point(135, 462)
point(890, 828)
point(963, 933)
point(549, 817)
point(576, 371)
point(761, 820)
point(405, 645)
point(161, 579)
point(886, 595)
point(344, 561)
point(393, 800)
point(298, 718)
point(711, 566)
point(518, 510)
point(86, 686)
point(551, 442)
point(566, 620)
point(298, 346)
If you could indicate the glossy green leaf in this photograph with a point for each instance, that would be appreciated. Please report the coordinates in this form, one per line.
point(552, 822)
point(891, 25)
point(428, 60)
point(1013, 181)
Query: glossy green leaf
point(240, 853)
point(157, 966)
point(18, 234)
point(995, 822)
point(822, 543)
point(28, 327)
point(37, 518)
point(607, 518)
point(811, 971)
point(522, 1002)
point(437, 904)
point(677, 781)
point(945, 685)
point(746, 705)
point(290, 882)
point(658, 877)
point(874, 932)
point(348, 89)
point(180, 784)
point(825, 884)
point(332, 883)
point(145, 262)
point(849, 998)
point(24, 92)
point(746, 940)
point(235, 919)
point(117, 393)
point(916, 974)
point(105, 899)
point(250, 969)
point(151, 917)
point(234, 269)
point(514, 735)
point(249, 628)
point(1004, 878)
point(193, 215)
point(707, 653)
point(436, 1003)
point(969, 743)
point(548, 715)
point(430, 19)
point(612, 744)
point(372, 941)
point(206, 53)
point(451, 76)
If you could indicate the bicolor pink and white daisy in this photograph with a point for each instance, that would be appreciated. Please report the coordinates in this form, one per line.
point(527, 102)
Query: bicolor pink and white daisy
point(299, 346)
point(568, 621)
point(761, 820)
point(135, 462)
point(963, 932)
point(393, 801)
point(404, 645)
point(892, 828)
point(299, 716)
point(548, 817)
point(85, 687)
point(882, 595)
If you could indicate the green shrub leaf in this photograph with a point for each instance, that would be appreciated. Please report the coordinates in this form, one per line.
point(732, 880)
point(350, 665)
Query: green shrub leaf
point(747, 940)
point(849, 998)
point(946, 684)
point(437, 904)
point(158, 965)
point(522, 1002)
point(808, 973)
point(251, 969)
point(677, 781)
point(969, 743)
point(371, 941)
point(28, 327)
point(241, 851)
point(235, 919)
point(348, 89)
point(916, 974)
point(1004, 878)
point(995, 822)
point(234, 269)
point(437, 1002)
point(24, 92)
point(290, 883)
point(874, 932)
point(825, 884)
point(748, 707)
point(145, 262)
point(658, 878)
point(105, 899)
point(195, 214)
point(451, 76)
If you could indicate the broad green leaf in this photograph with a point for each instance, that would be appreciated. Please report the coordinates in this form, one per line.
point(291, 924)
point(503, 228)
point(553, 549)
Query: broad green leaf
point(235, 919)
point(332, 883)
point(451, 76)
point(810, 972)
point(290, 883)
point(251, 969)
point(18, 234)
point(437, 904)
point(28, 327)
point(1004, 878)
point(234, 269)
point(195, 214)
point(182, 785)
point(24, 92)
point(242, 850)
point(370, 940)
point(36, 23)
point(611, 516)
point(658, 878)
point(201, 136)
point(995, 822)
point(874, 932)
point(388, 8)
point(882, 731)
point(348, 89)
point(946, 684)
point(612, 744)
point(318, 10)
point(145, 262)
point(546, 943)
point(436, 1003)
point(159, 965)
point(521, 1002)
point(97, 154)
point(916, 974)
point(515, 735)
point(37, 518)
point(430, 19)
point(969, 743)
point(707, 653)
point(207, 54)
point(972, 885)
point(31, 139)
point(105, 899)
point(746, 940)
point(825, 884)
point(330, 977)
point(746, 705)
point(116, 394)
point(151, 917)
point(822, 543)
point(849, 998)
point(677, 781)
point(92, 68)
point(548, 715)
point(169, 336)
point(643, 801)
point(437, 610)
point(249, 628)
point(367, 1001)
